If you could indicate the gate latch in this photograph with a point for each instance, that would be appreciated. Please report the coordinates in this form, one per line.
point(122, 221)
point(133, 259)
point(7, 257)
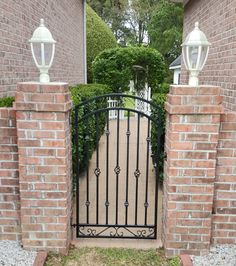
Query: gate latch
point(165, 156)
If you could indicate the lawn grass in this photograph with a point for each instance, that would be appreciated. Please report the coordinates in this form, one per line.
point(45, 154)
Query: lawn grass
point(129, 103)
point(111, 257)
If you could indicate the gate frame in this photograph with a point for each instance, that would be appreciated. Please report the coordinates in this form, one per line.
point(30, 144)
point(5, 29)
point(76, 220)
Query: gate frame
point(142, 234)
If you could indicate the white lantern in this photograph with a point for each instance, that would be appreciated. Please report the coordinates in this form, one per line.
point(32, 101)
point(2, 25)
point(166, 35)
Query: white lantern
point(195, 51)
point(43, 50)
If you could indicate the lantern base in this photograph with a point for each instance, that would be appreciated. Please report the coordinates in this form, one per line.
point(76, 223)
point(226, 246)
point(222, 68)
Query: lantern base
point(44, 78)
point(193, 80)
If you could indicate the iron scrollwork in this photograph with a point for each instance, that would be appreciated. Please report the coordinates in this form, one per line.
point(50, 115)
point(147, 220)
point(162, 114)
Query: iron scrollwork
point(116, 232)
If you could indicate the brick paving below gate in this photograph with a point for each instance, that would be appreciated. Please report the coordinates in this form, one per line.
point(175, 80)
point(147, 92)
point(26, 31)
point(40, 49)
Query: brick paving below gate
point(122, 183)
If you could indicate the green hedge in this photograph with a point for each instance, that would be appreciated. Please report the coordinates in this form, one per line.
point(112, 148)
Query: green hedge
point(87, 127)
point(159, 99)
point(114, 67)
point(7, 102)
point(99, 38)
point(164, 89)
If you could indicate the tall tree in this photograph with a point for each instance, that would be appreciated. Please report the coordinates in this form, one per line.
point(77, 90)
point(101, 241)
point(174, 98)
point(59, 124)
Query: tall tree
point(140, 14)
point(114, 13)
point(157, 23)
point(99, 38)
point(165, 29)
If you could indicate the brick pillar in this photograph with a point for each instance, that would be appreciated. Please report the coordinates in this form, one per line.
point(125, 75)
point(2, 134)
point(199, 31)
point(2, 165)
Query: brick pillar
point(192, 132)
point(44, 143)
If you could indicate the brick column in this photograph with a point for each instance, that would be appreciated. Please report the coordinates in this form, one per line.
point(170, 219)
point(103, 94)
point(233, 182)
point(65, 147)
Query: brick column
point(44, 143)
point(192, 133)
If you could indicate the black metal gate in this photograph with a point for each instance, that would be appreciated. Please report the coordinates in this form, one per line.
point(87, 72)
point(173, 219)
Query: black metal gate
point(112, 202)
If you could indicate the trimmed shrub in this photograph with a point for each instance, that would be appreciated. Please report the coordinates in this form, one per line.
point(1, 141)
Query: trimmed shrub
point(115, 67)
point(7, 101)
point(159, 99)
point(164, 88)
point(99, 38)
point(87, 127)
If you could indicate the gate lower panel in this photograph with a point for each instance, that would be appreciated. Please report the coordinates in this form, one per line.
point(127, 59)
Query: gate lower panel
point(116, 231)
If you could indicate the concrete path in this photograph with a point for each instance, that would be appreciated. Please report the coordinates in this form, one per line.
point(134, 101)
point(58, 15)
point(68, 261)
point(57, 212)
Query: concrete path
point(112, 191)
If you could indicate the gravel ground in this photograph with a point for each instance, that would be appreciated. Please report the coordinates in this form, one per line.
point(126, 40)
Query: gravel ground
point(224, 255)
point(11, 254)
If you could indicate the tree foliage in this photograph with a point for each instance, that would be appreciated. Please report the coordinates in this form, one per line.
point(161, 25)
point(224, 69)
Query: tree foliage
point(127, 19)
point(99, 38)
point(165, 29)
point(158, 23)
point(140, 13)
point(114, 13)
point(115, 67)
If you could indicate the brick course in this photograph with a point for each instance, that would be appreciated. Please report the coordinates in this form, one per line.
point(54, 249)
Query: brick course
point(18, 21)
point(192, 133)
point(44, 142)
point(217, 19)
point(9, 179)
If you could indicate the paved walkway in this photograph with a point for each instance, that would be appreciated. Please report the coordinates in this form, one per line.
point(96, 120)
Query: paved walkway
point(112, 191)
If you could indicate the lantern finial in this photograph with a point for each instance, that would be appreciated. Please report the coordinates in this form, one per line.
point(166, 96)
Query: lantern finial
point(42, 22)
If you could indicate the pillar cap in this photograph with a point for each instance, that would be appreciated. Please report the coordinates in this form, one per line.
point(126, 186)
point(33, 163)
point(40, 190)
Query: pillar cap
point(184, 99)
point(35, 96)
point(198, 90)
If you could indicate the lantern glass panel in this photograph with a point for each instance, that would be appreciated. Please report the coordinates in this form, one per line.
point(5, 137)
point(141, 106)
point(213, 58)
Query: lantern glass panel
point(37, 53)
point(185, 57)
point(203, 57)
point(48, 47)
point(193, 56)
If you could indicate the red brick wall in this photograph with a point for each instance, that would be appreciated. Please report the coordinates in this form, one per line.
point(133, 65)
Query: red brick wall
point(45, 160)
point(217, 19)
point(192, 132)
point(18, 19)
point(224, 218)
point(9, 179)
point(200, 169)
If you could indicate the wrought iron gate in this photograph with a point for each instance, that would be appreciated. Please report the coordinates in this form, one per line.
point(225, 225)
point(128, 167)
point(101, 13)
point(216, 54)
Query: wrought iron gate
point(117, 203)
